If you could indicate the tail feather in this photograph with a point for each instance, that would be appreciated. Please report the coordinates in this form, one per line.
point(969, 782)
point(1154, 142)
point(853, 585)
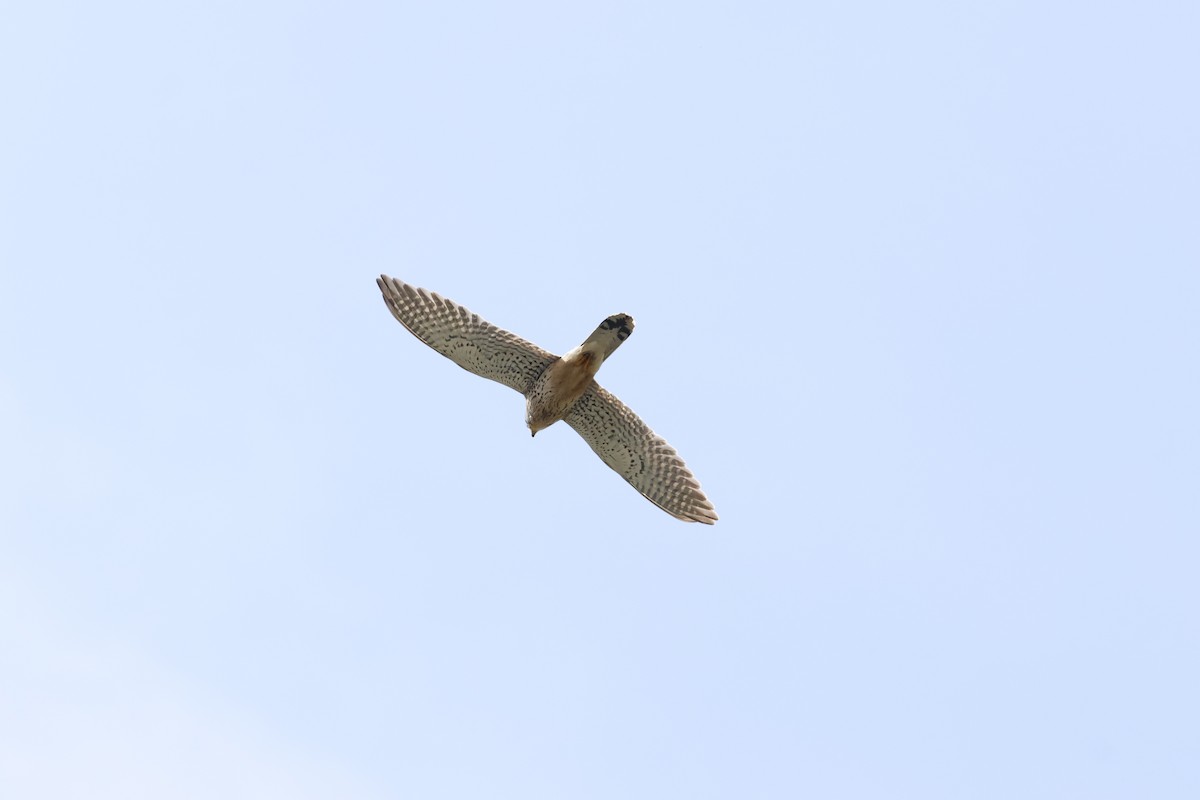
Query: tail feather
point(609, 335)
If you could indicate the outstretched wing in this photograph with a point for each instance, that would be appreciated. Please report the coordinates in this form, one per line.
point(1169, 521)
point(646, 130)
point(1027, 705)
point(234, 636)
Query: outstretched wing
point(473, 343)
point(639, 456)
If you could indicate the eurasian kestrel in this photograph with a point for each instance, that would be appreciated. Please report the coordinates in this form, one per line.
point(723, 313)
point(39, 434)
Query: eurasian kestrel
point(558, 388)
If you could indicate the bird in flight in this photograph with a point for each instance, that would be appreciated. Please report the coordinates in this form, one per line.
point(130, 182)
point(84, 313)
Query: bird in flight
point(558, 387)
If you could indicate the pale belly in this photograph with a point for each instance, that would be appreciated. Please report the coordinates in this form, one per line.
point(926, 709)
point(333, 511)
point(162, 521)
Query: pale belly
point(557, 389)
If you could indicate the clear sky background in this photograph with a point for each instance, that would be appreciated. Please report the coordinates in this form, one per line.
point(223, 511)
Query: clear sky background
point(918, 298)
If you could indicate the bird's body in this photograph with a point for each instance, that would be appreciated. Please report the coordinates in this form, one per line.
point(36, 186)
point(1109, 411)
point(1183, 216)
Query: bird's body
point(562, 383)
point(558, 388)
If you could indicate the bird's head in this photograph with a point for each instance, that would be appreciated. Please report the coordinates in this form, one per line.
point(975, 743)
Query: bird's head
point(537, 423)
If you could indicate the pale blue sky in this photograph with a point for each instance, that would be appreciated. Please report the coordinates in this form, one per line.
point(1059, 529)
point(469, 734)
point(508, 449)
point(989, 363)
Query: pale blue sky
point(918, 298)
